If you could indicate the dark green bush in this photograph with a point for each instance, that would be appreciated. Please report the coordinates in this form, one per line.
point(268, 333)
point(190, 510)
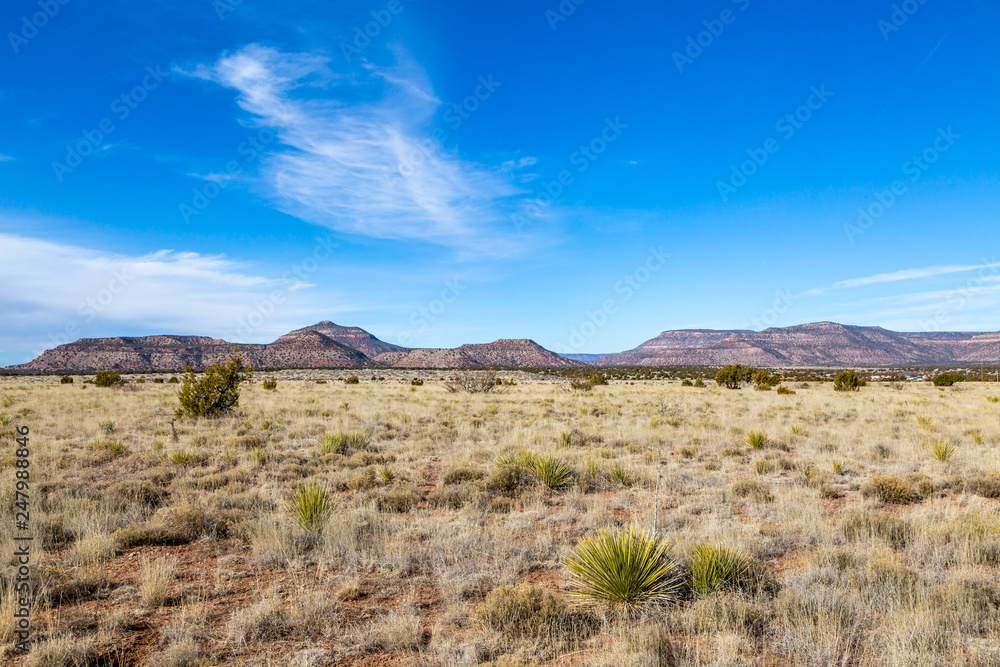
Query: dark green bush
point(598, 379)
point(734, 376)
point(417, 382)
point(173, 380)
point(764, 381)
point(352, 380)
point(948, 379)
point(108, 379)
point(65, 379)
point(216, 393)
point(269, 383)
point(847, 381)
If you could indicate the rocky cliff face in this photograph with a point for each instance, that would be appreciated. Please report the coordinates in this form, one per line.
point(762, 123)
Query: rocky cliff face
point(322, 345)
point(823, 344)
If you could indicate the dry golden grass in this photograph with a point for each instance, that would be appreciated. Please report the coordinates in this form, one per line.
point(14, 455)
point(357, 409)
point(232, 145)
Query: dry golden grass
point(167, 549)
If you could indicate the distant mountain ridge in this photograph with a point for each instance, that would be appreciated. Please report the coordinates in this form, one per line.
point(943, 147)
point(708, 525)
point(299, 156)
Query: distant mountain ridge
point(328, 345)
point(817, 345)
point(321, 345)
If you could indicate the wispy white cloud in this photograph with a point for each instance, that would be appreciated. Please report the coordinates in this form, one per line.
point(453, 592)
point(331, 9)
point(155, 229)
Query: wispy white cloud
point(5, 158)
point(358, 154)
point(909, 274)
point(906, 274)
point(55, 293)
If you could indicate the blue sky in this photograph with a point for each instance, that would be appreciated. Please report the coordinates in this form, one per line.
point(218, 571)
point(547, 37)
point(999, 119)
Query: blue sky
point(586, 175)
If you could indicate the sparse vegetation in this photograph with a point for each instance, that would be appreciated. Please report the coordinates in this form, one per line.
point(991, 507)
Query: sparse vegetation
point(329, 524)
point(734, 376)
point(269, 384)
point(108, 379)
point(216, 393)
point(848, 381)
point(625, 570)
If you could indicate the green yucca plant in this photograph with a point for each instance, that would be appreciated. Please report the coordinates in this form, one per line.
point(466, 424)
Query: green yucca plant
point(757, 439)
point(625, 570)
point(310, 506)
point(552, 471)
point(343, 443)
point(837, 467)
point(593, 468)
point(619, 473)
point(716, 568)
point(385, 473)
point(6, 420)
point(924, 422)
point(259, 455)
point(942, 451)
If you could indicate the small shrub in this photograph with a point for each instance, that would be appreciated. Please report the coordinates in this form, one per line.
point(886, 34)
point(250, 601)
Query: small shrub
point(942, 451)
point(699, 383)
point(618, 473)
point(399, 500)
point(947, 379)
point(416, 382)
point(862, 524)
point(848, 381)
point(687, 383)
point(108, 379)
point(764, 381)
point(455, 496)
point(343, 443)
point(154, 581)
point(625, 570)
point(384, 473)
point(65, 379)
point(598, 379)
point(715, 569)
point(756, 439)
point(891, 489)
point(270, 383)
point(310, 506)
point(993, 399)
point(353, 379)
point(552, 471)
point(525, 610)
point(173, 380)
point(785, 391)
point(734, 376)
point(507, 480)
point(987, 486)
point(216, 393)
point(461, 475)
point(751, 488)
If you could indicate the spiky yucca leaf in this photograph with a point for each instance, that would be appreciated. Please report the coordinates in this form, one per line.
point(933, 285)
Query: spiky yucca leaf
point(625, 570)
point(552, 471)
point(310, 506)
point(716, 568)
point(757, 439)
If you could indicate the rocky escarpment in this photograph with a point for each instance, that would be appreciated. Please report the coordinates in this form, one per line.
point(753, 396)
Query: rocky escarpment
point(823, 344)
